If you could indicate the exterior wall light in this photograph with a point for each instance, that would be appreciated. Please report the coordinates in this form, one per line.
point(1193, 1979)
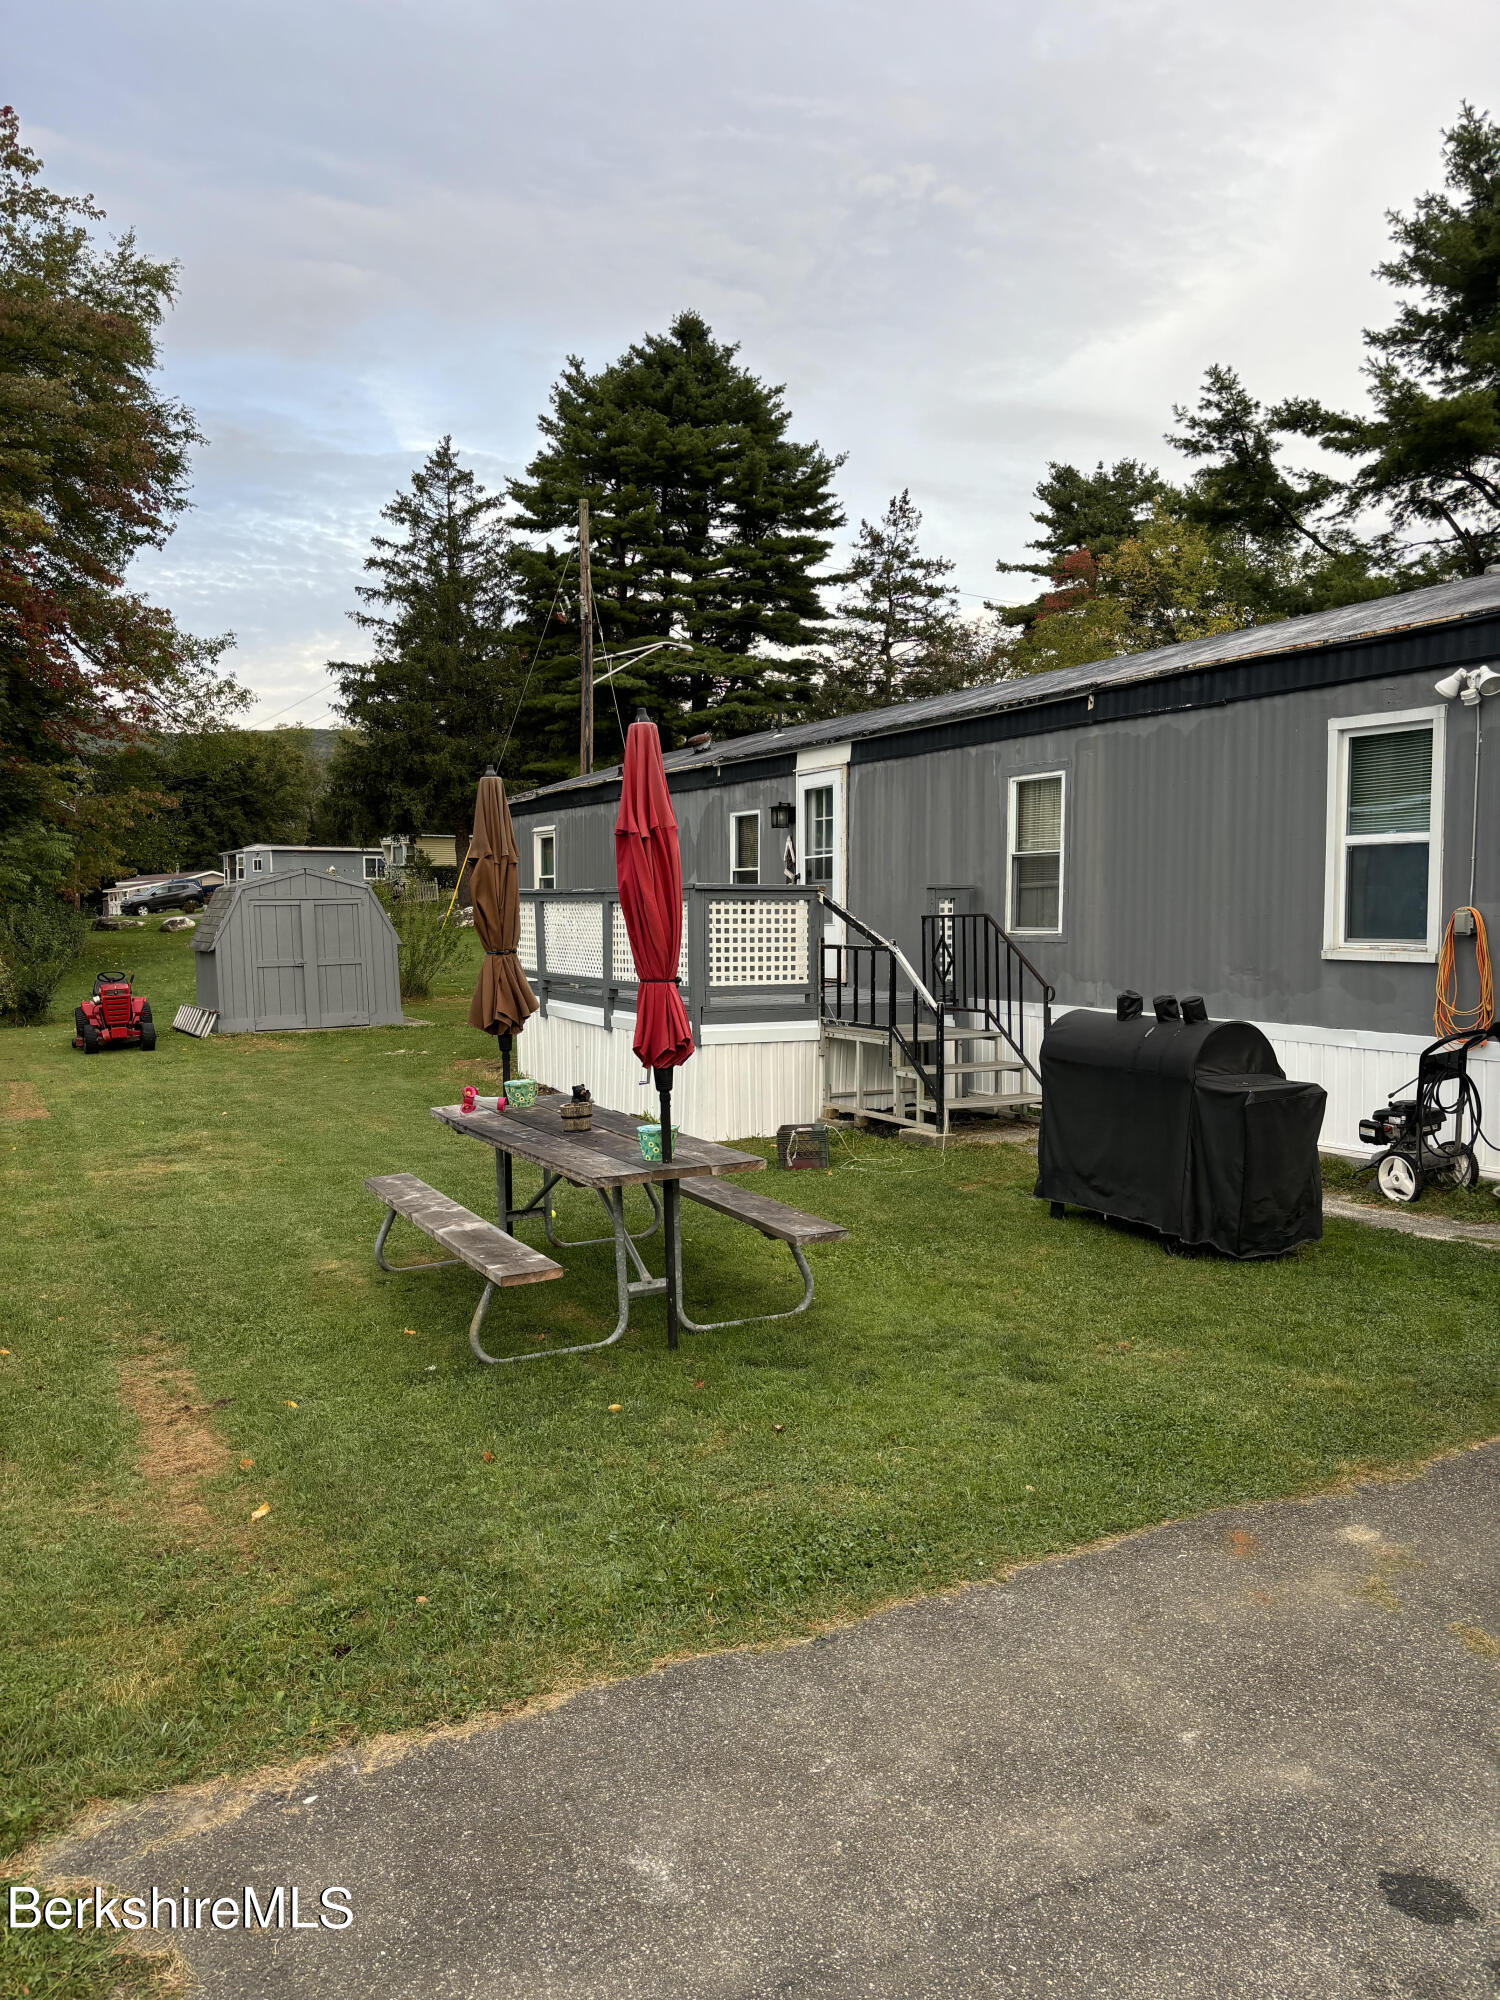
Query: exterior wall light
point(785, 813)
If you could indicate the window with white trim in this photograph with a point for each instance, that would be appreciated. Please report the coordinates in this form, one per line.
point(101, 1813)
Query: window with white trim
point(544, 857)
point(1383, 889)
point(1034, 863)
point(374, 867)
point(744, 847)
point(817, 835)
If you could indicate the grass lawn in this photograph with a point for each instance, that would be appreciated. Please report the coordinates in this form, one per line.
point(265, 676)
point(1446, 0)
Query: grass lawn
point(196, 1331)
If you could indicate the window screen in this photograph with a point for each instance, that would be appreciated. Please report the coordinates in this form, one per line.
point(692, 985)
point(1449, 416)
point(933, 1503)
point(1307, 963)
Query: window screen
point(745, 847)
point(1036, 855)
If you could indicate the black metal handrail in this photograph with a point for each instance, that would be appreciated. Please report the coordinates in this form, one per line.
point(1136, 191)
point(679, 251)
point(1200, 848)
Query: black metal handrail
point(860, 987)
point(975, 967)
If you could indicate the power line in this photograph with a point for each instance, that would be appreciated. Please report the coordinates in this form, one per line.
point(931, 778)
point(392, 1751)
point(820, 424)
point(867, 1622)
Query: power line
point(295, 704)
point(541, 641)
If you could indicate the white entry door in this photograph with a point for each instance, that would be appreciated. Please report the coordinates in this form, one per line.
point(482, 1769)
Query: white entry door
point(822, 856)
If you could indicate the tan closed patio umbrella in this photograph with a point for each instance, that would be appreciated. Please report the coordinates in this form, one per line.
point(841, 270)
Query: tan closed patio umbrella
point(503, 999)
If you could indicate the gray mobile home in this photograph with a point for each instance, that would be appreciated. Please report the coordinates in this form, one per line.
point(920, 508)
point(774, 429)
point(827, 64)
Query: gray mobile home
point(1280, 818)
point(353, 864)
point(297, 949)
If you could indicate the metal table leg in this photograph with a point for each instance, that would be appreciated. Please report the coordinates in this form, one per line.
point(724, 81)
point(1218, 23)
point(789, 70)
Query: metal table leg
point(711, 1325)
point(625, 1291)
point(437, 1264)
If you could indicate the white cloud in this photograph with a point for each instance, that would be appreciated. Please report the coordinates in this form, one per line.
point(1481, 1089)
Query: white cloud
point(968, 239)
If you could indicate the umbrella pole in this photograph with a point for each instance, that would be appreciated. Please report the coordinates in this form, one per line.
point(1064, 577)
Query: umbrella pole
point(506, 1201)
point(670, 1198)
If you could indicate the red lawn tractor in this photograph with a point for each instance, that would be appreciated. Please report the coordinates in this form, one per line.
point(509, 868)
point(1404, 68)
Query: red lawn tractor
point(113, 1018)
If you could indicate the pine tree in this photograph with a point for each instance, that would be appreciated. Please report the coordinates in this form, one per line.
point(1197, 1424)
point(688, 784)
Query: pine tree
point(435, 702)
point(1429, 450)
point(898, 634)
point(1285, 527)
point(708, 524)
point(1089, 510)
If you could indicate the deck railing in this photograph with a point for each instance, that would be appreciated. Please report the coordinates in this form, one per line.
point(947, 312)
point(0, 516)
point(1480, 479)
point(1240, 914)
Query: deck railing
point(748, 954)
point(983, 978)
point(871, 984)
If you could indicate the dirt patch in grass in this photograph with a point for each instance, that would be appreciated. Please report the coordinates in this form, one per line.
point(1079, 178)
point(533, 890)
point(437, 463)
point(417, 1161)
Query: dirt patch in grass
point(490, 1072)
point(21, 1100)
point(178, 1449)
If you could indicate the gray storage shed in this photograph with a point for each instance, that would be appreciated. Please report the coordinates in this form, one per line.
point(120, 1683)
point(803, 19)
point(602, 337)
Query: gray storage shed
point(297, 949)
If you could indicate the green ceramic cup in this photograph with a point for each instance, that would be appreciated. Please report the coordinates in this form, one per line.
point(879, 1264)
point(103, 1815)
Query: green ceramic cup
point(650, 1140)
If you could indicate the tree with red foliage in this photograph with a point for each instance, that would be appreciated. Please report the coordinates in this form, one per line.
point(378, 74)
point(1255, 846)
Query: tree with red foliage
point(93, 469)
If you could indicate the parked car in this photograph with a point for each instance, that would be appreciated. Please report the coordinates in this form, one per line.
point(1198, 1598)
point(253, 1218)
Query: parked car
point(181, 893)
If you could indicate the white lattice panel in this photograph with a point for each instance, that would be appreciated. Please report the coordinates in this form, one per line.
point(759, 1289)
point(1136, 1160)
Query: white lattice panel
point(575, 940)
point(526, 944)
point(760, 941)
point(624, 964)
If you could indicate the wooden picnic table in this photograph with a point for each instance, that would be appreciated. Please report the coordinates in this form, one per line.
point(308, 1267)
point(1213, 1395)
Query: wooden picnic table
point(607, 1156)
point(606, 1159)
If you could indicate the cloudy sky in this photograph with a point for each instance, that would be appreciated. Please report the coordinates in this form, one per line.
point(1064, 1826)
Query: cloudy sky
point(967, 237)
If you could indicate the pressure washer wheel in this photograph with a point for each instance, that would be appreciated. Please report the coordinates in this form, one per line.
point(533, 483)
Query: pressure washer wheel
point(1398, 1178)
point(1463, 1167)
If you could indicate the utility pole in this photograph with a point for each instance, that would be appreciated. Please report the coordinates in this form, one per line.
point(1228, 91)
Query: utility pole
point(586, 635)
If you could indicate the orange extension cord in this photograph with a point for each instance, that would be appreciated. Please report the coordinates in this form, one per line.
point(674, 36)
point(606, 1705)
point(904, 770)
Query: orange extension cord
point(1448, 1017)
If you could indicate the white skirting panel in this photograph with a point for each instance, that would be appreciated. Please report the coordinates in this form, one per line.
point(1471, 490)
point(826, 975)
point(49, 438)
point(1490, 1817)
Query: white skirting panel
point(745, 1089)
point(733, 1090)
point(1361, 1071)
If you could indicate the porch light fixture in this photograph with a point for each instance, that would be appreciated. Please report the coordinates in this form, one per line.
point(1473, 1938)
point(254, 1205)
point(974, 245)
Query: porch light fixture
point(1468, 684)
point(785, 813)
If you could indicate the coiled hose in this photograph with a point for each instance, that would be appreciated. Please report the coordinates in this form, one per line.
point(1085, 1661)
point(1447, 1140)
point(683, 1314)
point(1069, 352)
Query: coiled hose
point(1448, 1018)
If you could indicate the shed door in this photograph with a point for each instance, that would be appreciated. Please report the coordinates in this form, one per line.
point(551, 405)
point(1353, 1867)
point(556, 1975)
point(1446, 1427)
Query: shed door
point(343, 982)
point(279, 971)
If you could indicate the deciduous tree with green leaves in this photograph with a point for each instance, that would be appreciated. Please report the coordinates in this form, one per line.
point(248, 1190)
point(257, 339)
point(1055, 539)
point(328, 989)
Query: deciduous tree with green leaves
point(1169, 582)
point(94, 468)
point(710, 524)
point(218, 789)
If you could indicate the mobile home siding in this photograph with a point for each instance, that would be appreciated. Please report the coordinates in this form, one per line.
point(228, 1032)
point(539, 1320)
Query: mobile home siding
point(1194, 843)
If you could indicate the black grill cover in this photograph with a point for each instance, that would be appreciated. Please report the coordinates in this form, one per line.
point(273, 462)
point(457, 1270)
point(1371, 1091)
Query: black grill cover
point(1190, 1127)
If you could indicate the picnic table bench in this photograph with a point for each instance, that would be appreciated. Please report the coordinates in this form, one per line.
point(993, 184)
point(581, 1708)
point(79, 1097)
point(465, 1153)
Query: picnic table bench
point(606, 1160)
point(499, 1258)
point(772, 1218)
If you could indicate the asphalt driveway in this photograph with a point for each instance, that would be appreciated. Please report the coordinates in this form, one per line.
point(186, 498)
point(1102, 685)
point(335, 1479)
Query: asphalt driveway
point(1252, 1754)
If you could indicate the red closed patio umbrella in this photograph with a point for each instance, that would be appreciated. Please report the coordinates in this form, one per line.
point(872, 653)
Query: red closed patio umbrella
point(648, 871)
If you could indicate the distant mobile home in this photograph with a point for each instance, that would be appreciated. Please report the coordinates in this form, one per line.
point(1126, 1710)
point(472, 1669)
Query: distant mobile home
point(1280, 818)
point(354, 864)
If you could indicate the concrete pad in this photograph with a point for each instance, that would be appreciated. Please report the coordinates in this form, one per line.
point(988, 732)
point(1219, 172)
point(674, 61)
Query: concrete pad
point(1253, 1754)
